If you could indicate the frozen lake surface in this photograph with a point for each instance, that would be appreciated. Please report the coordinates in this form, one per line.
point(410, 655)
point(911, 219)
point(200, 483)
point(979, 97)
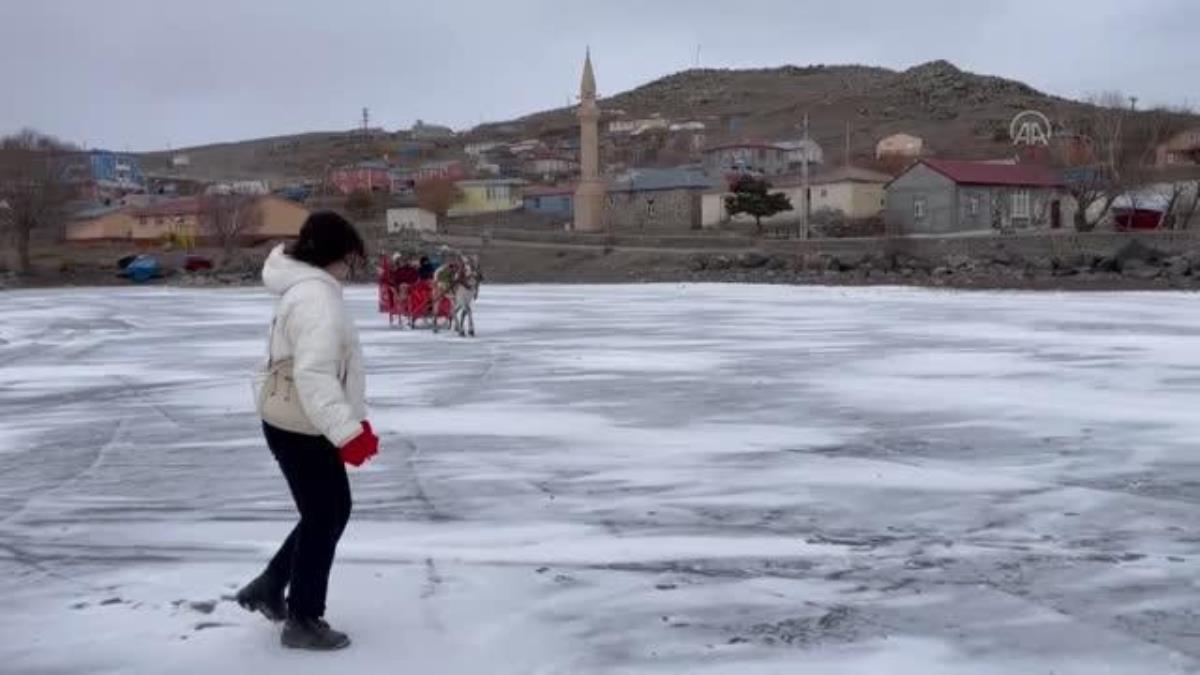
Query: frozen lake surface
point(634, 479)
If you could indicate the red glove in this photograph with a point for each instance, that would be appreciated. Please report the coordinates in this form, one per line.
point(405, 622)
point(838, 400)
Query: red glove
point(362, 447)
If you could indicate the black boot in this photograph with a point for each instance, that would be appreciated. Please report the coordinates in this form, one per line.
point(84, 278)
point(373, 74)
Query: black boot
point(263, 596)
point(312, 634)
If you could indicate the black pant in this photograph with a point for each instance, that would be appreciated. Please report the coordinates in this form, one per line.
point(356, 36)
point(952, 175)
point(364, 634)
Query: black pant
point(317, 478)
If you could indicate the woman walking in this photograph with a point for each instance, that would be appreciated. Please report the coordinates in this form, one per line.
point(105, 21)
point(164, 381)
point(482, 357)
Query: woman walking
point(312, 401)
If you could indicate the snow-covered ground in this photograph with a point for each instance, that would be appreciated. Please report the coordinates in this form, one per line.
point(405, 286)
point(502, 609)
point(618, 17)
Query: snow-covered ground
point(637, 479)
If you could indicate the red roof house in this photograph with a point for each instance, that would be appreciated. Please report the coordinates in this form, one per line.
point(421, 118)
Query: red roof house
point(943, 196)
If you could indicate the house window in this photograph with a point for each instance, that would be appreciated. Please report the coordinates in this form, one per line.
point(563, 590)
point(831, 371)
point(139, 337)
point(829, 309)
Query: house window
point(1020, 204)
point(919, 208)
point(824, 192)
point(650, 207)
point(973, 205)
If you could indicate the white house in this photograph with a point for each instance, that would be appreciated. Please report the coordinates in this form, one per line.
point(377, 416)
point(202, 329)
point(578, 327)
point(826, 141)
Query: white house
point(899, 145)
point(239, 187)
point(637, 127)
point(795, 152)
point(411, 219)
point(481, 148)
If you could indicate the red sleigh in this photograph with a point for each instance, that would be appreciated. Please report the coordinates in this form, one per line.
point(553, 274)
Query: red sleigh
point(411, 301)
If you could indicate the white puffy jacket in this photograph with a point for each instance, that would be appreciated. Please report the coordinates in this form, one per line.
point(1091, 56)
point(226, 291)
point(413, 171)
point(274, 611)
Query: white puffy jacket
point(312, 327)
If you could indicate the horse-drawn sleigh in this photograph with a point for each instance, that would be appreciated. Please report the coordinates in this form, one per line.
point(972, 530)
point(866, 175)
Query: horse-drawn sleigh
point(426, 292)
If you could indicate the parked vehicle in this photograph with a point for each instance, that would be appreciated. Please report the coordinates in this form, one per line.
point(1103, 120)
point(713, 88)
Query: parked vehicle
point(141, 269)
point(196, 263)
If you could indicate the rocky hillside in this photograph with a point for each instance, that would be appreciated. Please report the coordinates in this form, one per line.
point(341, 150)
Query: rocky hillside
point(957, 112)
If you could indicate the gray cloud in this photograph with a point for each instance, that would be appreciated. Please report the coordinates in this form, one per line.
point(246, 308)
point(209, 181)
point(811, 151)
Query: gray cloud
point(143, 74)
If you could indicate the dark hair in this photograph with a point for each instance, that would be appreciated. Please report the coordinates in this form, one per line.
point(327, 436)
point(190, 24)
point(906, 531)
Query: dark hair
point(327, 238)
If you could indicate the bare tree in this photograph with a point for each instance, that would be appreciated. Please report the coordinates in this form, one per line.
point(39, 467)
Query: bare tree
point(360, 203)
point(1122, 146)
point(1094, 179)
point(33, 193)
point(437, 195)
point(1183, 203)
point(227, 218)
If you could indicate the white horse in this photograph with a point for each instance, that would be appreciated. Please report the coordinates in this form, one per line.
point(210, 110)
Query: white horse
point(459, 280)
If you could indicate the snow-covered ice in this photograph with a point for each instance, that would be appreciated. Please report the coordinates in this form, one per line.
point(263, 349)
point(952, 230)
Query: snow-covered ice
point(632, 479)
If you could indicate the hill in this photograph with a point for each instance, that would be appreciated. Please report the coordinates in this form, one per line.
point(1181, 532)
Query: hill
point(279, 158)
point(958, 113)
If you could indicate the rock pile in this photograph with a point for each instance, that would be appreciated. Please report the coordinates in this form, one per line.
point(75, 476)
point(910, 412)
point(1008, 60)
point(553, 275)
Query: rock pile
point(1135, 265)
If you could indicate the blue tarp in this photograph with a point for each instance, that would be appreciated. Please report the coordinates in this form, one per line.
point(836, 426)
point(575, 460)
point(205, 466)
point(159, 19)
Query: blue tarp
point(142, 269)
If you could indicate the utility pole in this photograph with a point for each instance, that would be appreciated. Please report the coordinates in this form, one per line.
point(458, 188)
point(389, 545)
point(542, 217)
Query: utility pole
point(847, 161)
point(804, 187)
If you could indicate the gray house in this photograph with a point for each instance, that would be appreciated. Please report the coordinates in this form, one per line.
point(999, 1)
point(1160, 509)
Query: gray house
point(938, 196)
point(661, 200)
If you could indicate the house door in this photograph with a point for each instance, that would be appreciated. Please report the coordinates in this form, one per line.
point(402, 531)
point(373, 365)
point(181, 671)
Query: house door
point(1055, 214)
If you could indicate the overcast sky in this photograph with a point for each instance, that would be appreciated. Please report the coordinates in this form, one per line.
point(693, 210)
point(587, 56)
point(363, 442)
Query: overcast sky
point(148, 74)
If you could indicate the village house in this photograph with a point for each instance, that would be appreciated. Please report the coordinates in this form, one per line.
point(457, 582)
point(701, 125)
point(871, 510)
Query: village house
point(795, 153)
point(636, 127)
point(656, 199)
point(411, 219)
point(489, 195)
point(403, 181)
point(759, 157)
point(526, 147)
point(550, 167)
point(938, 196)
point(96, 174)
point(480, 148)
point(371, 176)
point(238, 187)
point(275, 218)
point(899, 145)
point(1181, 150)
point(545, 200)
point(853, 192)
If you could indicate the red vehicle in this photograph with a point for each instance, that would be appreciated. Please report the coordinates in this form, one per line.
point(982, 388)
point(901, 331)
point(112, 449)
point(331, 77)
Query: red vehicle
point(410, 301)
point(195, 263)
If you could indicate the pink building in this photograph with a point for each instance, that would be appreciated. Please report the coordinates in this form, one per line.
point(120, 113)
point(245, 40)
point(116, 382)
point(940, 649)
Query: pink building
point(403, 180)
point(369, 176)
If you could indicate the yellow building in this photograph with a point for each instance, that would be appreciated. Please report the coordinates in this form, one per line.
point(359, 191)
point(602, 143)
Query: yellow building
point(857, 193)
point(278, 218)
point(101, 225)
point(180, 219)
point(487, 196)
